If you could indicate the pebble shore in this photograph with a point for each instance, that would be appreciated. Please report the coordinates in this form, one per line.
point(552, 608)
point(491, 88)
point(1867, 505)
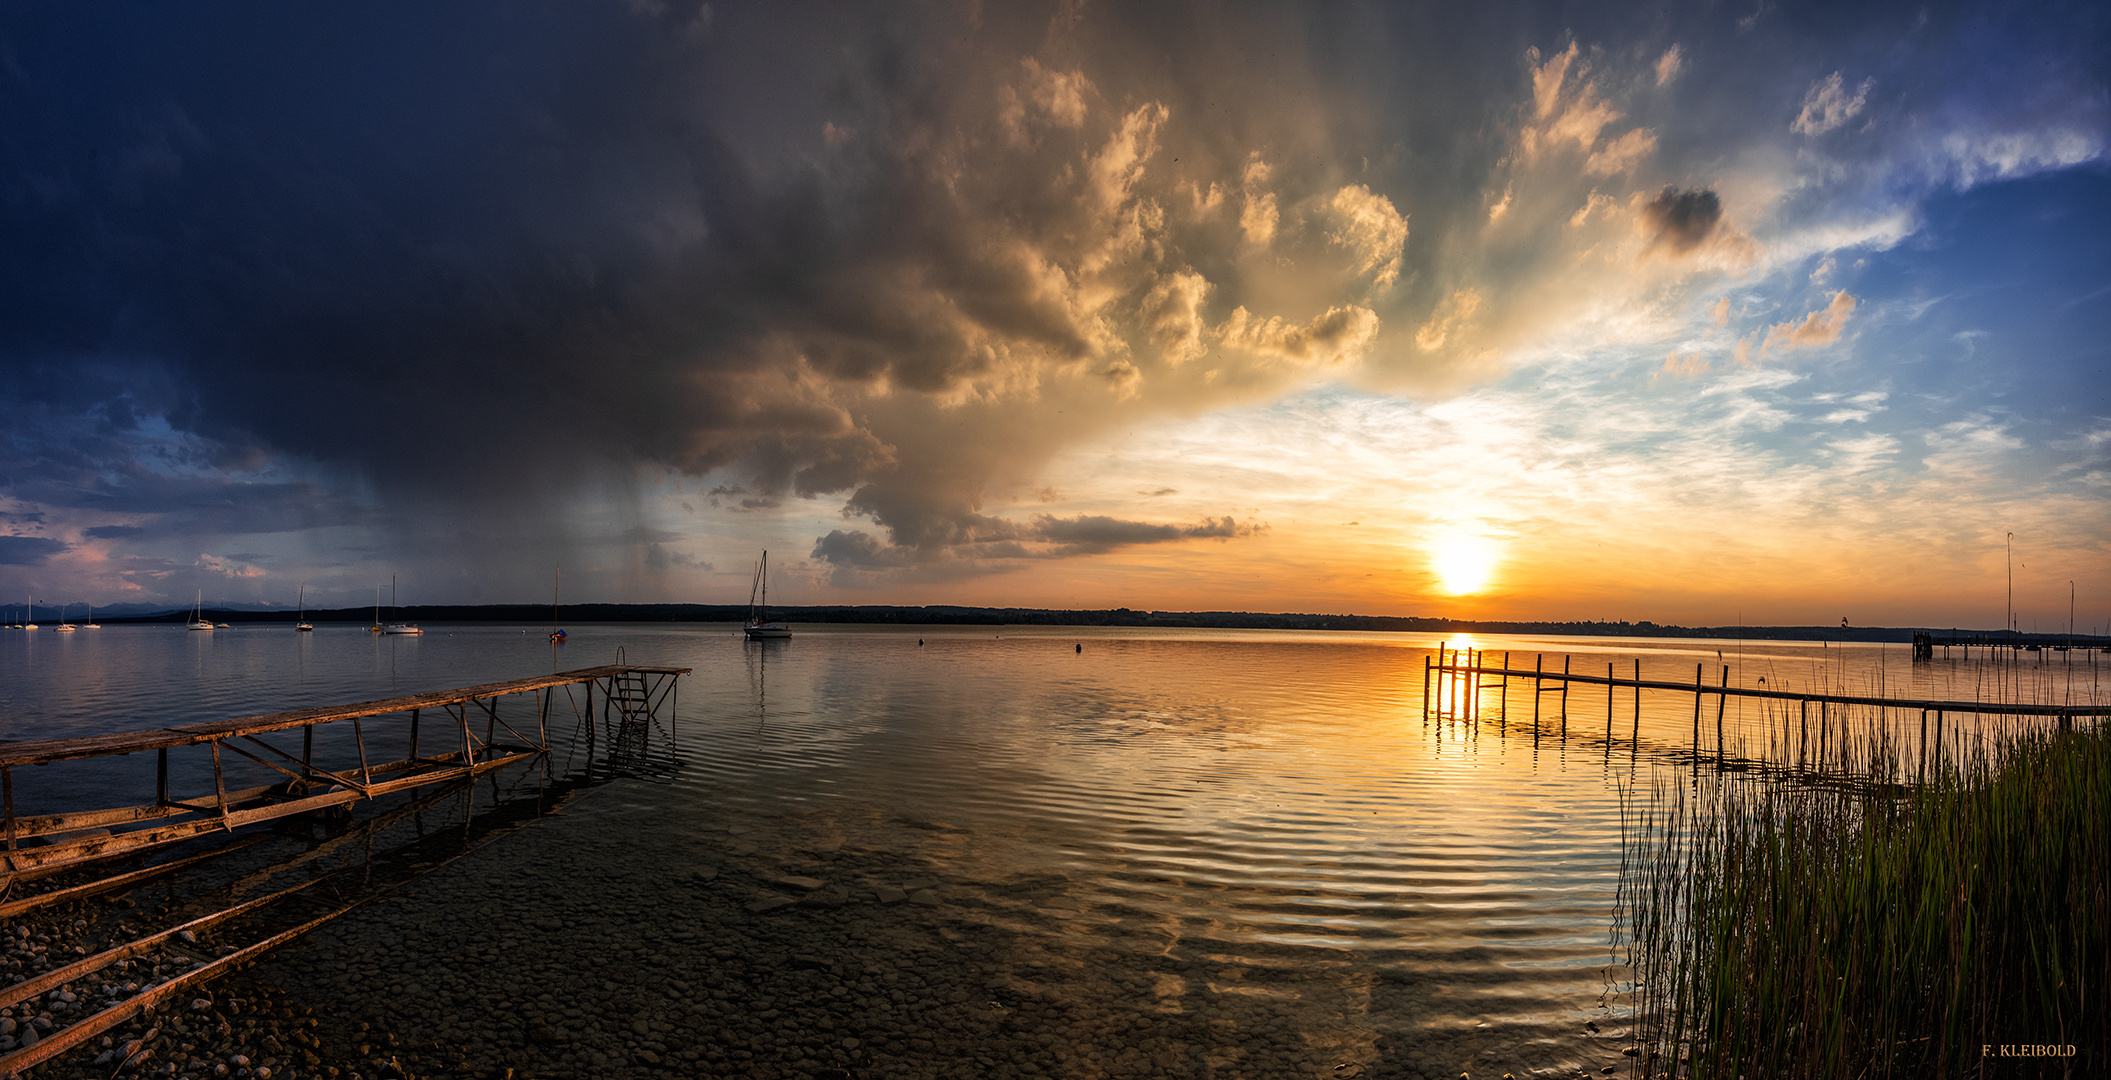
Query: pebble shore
point(596, 944)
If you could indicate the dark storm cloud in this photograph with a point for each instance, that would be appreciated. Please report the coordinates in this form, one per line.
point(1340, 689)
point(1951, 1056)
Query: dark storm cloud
point(1091, 533)
point(1682, 220)
point(985, 541)
point(455, 253)
point(28, 550)
point(72, 460)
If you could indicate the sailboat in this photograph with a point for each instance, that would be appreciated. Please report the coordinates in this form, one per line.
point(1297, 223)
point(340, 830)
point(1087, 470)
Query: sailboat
point(396, 627)
point(197, 615)
point(65, 627)
point(304, 626)
point(91, 624)
point(556, 579)
point(758, 627)
point(376, 628)
point(29, 620)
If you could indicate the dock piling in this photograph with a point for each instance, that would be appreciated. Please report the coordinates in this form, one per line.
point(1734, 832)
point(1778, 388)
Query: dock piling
point(1565, 658)
point(1634, 734)
point(1608, 706)
point(1721, 700)
point(1697, 715)
point(1504, 721)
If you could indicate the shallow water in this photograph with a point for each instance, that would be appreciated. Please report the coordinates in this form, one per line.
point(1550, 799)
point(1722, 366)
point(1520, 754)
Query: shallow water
point(1268, 802)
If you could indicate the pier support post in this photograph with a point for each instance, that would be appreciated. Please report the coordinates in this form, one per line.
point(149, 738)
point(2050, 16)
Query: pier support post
point(1504, 704)
point(1721, 700)
point(1565, 658)
point(1697, 715)
point(1425, 691)
point(219, 781)
point(1634, 734)
point(1473, 685)
point(1538, 666)
point(1608, 706)
point(366, 775)
point(468, 745)
point(1803, 731)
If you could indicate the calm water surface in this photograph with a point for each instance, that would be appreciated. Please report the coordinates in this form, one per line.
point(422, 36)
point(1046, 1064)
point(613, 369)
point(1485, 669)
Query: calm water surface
point(1266, 799)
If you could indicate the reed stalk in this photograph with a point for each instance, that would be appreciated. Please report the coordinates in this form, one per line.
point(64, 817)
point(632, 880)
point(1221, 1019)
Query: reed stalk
point(1873, 913)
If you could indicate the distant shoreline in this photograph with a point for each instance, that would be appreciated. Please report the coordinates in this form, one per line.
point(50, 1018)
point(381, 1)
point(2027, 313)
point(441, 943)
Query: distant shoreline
point(950, 615)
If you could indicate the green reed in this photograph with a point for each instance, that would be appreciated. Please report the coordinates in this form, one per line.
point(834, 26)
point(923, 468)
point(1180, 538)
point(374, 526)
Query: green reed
point(1875, 912)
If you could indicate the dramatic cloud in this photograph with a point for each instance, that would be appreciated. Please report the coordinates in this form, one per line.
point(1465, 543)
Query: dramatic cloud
point(1828, 105)
point(1334, 337)
point(1670, 64)
point(1817, 328)
point(1682, 220)
point(993, 545)
point(1373, 230)
point(28, 550)
point(1094, 533)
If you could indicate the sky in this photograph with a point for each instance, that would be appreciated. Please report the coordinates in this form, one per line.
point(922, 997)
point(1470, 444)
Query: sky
point(1727, 313)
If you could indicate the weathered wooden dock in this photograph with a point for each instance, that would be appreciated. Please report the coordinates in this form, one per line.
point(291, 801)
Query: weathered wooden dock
point(631, 700)
point(39, 845)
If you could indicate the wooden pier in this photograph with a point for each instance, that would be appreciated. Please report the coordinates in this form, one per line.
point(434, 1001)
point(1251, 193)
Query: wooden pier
point(1453, 682)
point(631, 699)
point(39, 845)
point(1996, 642)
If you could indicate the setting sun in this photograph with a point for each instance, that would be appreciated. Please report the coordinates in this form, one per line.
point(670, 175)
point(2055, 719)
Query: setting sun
point(1462, 564)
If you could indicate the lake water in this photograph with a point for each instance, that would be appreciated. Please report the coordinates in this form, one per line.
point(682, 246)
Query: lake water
point(1274, 808)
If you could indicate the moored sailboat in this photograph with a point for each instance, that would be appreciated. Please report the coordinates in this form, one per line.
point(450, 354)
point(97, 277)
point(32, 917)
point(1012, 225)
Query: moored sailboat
point(397, 627)
point(198, 615)
point(304, 626)
point(557, 635)
point(759, 627)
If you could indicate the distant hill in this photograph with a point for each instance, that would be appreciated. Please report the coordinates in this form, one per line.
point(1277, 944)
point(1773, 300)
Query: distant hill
point(950, 615)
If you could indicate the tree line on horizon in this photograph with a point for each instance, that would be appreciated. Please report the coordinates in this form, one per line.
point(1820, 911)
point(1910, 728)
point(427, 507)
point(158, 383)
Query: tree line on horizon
point(960, 615)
